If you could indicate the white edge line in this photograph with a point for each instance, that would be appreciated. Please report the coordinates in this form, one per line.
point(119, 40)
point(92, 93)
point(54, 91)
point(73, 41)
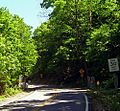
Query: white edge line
point(86, 100)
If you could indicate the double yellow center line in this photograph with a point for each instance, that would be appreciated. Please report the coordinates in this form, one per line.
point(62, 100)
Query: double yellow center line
point(45, 103)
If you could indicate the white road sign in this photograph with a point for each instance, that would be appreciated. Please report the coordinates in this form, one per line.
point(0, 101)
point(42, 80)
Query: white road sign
point(113, 65)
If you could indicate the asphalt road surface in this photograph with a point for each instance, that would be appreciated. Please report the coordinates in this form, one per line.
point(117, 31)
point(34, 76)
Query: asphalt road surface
point(50, 98)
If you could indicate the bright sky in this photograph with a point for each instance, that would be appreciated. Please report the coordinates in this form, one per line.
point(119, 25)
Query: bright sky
point(30, 10)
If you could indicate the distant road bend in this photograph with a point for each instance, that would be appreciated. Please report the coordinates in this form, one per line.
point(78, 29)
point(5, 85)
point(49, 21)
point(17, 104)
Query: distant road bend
point(50, 98)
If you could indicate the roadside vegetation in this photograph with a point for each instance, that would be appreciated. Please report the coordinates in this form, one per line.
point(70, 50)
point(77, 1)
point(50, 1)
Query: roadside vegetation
point(80, 34)
point(18, 52)
point(105, 99)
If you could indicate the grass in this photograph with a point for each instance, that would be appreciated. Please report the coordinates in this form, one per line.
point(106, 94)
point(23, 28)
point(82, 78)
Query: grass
point(10, 92)
point(106, 99)
point(2, 97)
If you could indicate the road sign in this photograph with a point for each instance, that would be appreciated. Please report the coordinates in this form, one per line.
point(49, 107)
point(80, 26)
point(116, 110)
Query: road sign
point(113, 64)
point(20, 79)
point(41, 76)
point(81, 71)
point(98, 83)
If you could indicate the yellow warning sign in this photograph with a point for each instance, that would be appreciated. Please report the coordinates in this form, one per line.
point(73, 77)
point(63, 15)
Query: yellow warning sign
point(81, 71)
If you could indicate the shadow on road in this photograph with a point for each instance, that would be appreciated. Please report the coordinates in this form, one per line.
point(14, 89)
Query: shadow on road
point(40, 87)
point(20, 105)
point(64, 101)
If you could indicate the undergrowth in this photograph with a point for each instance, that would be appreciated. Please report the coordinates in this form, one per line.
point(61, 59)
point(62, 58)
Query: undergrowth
point(10, 92)
point(109, 99)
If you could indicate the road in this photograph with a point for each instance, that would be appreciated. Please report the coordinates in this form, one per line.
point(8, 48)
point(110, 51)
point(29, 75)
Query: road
point(50, 98)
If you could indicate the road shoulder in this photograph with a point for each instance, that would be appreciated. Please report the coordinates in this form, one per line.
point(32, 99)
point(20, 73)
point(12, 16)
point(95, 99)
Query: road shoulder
point(14, 97)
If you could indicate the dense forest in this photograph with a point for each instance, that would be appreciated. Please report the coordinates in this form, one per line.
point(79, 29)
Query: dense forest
point(18, 52)
point(80, 34)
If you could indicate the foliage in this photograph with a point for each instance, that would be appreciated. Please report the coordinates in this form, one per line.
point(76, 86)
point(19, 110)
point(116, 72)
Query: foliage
point(108, 84)
point(2, 97)
point(18, 53)
point(47, 3)
point(12, 91)
point(79, 34)
point(107, 100)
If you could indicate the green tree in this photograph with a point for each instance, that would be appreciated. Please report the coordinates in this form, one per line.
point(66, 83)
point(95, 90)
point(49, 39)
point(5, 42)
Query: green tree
point(18, 53)
point(83, 34)
point(104, 39)
point(47, 3)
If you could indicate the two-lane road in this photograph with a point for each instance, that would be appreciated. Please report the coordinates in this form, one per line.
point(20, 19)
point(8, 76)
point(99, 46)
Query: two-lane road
point(46, 98)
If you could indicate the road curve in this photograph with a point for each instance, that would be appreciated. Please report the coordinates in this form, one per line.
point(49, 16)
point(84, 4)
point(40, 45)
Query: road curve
point(46, 98)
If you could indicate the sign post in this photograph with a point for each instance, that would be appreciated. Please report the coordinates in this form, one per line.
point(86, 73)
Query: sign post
point(41, 76)
point(20, 81)
point(113, 67)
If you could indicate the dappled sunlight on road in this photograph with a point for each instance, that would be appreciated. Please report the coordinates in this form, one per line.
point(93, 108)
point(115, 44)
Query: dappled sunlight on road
point(49, 98)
